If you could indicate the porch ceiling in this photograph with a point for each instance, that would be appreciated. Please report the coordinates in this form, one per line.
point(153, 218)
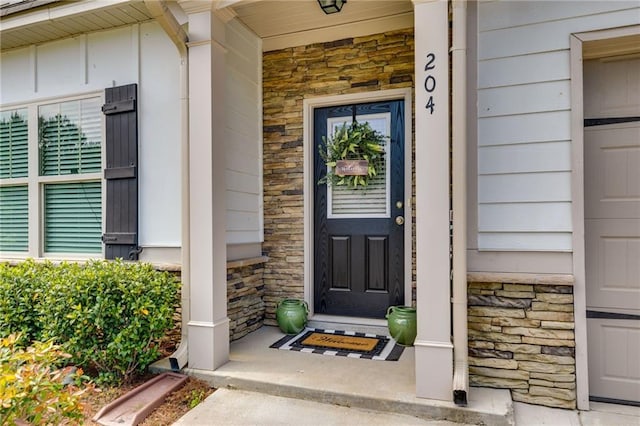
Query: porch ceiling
point(274, 18)
point(295, 22)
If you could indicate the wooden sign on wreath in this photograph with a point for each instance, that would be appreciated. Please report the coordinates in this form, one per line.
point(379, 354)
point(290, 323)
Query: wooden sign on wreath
point(354, 155)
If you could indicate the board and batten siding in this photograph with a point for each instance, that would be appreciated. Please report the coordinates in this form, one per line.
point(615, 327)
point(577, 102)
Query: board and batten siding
point(89, 63)
point(243, 147)
point(524, 118)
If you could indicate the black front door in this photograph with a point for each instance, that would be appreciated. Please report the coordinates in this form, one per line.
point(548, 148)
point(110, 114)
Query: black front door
point(359, 233)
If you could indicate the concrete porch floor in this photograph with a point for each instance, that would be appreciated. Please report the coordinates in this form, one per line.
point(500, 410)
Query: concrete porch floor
point(383, 386)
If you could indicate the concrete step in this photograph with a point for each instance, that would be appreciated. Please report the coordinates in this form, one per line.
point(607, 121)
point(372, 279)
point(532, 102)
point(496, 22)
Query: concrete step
point(383, 386)
point(241, 408)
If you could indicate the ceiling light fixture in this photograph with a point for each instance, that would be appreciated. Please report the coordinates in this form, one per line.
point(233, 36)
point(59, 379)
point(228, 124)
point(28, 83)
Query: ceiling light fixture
point(331, 6)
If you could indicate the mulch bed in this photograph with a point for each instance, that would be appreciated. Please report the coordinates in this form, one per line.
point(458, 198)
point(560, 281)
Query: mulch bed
point(176, 404)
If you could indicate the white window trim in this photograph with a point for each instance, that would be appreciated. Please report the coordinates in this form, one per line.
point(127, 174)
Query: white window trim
point(36, 183)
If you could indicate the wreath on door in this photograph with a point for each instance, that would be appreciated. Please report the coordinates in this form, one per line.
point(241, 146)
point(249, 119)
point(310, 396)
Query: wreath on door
point(352, 141)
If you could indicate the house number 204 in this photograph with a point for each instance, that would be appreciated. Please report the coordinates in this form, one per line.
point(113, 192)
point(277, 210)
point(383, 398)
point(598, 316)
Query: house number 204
point(430, 81)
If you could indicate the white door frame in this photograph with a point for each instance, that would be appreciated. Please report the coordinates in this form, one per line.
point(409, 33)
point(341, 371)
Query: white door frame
point(579, 43)
point(309, 105)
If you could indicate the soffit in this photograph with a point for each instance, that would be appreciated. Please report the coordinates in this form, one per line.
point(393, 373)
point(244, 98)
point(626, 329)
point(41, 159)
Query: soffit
point(280, 23)
point(66, 19)
point(612, 47)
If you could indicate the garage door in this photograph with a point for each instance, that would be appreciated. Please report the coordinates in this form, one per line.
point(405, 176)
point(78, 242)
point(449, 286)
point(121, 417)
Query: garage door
point(612, 226)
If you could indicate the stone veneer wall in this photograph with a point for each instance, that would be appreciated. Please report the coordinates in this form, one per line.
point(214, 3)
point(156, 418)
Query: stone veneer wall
point(521, 337)
point(360, 64)
point(245, 304)
point(245, 295)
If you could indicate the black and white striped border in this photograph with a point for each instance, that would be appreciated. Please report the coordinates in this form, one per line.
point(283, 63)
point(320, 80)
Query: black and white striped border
point(390, 352)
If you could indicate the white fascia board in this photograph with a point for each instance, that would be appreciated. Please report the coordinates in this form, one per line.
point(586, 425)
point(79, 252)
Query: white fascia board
point(84, 7)
point(56, 12)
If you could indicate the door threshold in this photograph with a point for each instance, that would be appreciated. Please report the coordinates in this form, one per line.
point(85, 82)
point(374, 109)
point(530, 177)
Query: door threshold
point(362, 325)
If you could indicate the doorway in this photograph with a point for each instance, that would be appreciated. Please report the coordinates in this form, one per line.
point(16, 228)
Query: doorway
point(359, 233)
point(612, 226)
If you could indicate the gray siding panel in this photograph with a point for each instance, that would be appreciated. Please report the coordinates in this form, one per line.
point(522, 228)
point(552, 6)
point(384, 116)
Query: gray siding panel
point(524, 118)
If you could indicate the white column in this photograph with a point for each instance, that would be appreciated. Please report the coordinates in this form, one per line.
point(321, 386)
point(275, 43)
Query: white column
point(433, 347)
point(208, 327)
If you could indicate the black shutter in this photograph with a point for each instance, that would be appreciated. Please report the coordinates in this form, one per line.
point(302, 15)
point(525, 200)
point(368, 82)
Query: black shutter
point(121, 227)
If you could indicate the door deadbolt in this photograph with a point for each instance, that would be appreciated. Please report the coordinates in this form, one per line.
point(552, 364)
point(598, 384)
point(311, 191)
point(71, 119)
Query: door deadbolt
point(399, 220)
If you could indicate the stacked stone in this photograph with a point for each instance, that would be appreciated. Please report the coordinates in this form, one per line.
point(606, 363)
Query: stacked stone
point(361, 64)
point(245, 292)
point(521, 337)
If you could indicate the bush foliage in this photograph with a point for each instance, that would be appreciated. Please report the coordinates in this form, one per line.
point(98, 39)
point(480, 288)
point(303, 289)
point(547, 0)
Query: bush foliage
point(107, 315)
point(33, 390)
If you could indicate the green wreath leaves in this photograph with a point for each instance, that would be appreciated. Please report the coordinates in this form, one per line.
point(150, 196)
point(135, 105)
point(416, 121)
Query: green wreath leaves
point(353, 141)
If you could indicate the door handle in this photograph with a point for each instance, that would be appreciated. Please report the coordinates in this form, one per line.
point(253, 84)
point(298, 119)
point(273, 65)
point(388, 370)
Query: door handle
point(399, 220)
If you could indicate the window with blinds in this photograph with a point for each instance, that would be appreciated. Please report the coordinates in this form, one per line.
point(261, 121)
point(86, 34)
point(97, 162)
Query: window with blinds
point(373, 200)
point(14, 218)
point(70, 143)
point(69, 137)
point(73, 217)
point(14, 141)
point(63, 194)
point(14, 168)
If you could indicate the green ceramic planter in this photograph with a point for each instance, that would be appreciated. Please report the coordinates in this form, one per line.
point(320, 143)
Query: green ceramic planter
point(291, 315)
point(402, 324)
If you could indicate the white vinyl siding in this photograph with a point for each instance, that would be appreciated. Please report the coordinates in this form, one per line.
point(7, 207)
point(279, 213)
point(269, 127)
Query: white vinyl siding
point(509, 28)
point(159, 136)
point(243, 148)
point(524, 118)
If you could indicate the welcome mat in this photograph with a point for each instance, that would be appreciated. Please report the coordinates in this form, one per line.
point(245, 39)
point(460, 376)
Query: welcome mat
point(342, 343)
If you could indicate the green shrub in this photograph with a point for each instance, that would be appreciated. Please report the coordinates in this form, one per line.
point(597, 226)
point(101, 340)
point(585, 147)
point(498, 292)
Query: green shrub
point(31, 387)
point(21, 291)
point(108, 315)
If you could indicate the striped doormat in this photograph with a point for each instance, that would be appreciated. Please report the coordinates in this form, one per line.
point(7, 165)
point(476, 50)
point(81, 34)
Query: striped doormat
point(342, 343)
